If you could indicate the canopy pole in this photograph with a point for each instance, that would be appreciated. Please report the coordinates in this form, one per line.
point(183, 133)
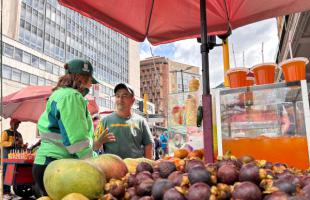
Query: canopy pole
point(206, 96)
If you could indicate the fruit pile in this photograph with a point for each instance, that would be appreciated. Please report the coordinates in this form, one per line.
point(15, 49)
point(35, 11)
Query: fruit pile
point(184, 176)
point(228, 178)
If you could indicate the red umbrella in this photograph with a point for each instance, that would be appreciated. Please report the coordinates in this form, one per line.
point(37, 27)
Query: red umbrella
point(163, 21)
point(28, 103)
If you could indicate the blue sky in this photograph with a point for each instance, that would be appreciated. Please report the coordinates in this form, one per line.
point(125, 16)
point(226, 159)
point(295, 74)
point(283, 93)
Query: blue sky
point(246, 40)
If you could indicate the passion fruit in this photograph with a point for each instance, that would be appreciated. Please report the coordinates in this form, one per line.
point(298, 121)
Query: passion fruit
point(246, 191)
point(145, 188)
point(193, 163)
point(144, 166)
point(166, 168)
point(285, 186)
point(249, 172)
point(173, 194)
point(199, 174)
point(278, 195)
point(160, 187)
point(227, 174)
point(199, 191)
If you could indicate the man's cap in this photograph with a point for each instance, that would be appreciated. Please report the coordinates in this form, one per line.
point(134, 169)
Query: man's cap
point(80, 66)
point(124, 86)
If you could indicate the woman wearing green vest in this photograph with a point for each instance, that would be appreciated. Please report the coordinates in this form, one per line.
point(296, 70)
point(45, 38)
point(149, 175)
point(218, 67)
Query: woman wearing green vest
point(66, 127)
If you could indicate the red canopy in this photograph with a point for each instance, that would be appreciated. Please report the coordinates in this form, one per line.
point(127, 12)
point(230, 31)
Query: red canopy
point(164, 21)
point(28, 103)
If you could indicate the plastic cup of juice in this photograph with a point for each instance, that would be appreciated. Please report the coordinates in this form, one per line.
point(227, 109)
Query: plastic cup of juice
point(264, 73)
point(294, 69)
point(237, 77)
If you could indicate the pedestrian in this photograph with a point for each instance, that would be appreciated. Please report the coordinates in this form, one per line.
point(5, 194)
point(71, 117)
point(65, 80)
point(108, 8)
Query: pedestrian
point(66, 127)
point(129, 135)
point(11, 139)
point(157, 147)
point(164, 143)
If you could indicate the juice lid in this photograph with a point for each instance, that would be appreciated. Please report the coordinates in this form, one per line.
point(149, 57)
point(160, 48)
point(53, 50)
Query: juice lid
point(306, 60)
point(265, 65)
point(237, 69)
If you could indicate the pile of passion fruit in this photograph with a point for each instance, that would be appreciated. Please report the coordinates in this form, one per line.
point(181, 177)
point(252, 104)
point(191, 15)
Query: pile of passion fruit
point(228, 178)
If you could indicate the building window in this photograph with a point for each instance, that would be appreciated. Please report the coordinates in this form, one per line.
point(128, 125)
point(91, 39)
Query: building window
point(33, 80)
point(6, 72)
point(18, 54)
point(26, 58)
point(42, 64)
point(49, 67)
point(35, 61)
point(41, 81)
point(8, 50)
point(16, 75)
point(25, 78)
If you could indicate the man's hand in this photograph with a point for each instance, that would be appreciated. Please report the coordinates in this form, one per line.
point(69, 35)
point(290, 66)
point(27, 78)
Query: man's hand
point(104, 138)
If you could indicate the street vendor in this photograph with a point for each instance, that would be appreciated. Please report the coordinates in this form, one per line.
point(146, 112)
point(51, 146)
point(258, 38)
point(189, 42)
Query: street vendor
point(11, 139)
point(66, 127)
point(129, 135)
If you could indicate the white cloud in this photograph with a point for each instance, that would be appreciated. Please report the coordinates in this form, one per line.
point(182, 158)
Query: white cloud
point(246, 39)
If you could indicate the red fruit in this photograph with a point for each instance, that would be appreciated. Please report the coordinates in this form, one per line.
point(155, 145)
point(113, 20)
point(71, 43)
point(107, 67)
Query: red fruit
point(278, 195)
point(227, 174)
point(247, 191)
point(193, 163)
point(199, 191)
point(249, 172)
point(173, 194)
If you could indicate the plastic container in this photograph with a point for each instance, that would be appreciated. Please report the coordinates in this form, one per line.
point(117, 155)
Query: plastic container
point(294, 69)
point(264, 73)
point(237, 77)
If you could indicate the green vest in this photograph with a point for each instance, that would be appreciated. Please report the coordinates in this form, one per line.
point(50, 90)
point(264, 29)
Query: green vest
point(65, 127)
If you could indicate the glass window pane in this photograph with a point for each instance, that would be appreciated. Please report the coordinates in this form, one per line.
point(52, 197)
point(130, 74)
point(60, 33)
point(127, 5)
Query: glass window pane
point(18, 54)
point(41, 81)
point(42, 64)
point(48, 82)
point(25, 78)
point(33, 80)
point(6, 72)
point(26, 58)
point(49, 67)
point(55, 70)
point(8, 50)
point(35, 61)
point(16, 74)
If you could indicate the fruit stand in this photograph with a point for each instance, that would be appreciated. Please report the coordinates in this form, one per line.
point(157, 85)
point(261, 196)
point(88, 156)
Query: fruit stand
point(266, 122)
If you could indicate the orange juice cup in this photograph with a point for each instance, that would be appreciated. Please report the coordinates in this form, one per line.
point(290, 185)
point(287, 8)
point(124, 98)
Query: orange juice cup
point(264, 73)
point(294, 69)
point(237, 77)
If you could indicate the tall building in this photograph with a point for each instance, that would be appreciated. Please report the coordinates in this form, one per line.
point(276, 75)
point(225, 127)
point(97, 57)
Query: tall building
point(294, 27)
point(160, 76)
point(39, 36)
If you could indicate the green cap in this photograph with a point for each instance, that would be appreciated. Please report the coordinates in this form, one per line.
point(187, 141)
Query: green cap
point(80, 66)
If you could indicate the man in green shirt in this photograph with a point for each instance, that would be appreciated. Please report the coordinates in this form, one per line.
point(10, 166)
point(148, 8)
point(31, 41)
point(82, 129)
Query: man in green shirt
point(129, 135)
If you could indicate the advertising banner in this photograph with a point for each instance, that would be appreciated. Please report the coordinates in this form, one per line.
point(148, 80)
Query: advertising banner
point(182, 117)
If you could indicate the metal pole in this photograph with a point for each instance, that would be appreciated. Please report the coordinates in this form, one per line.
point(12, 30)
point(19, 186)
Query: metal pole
point(1, 95)
point(182, 81)
point(226, 60)
point(206, 96)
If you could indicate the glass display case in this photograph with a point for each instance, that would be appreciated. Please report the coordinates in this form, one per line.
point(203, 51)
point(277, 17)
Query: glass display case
point(270, 122)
